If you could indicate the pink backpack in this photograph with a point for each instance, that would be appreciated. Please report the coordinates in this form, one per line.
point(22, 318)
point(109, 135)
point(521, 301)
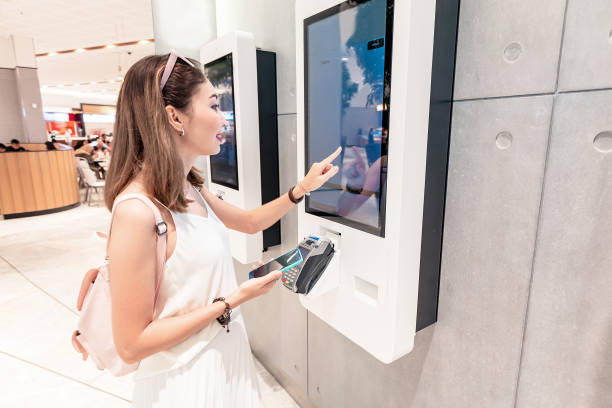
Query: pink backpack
point(94, 336)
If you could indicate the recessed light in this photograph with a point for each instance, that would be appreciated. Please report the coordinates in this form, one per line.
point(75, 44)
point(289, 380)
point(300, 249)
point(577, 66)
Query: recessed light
point(144, 42)
point(79, 50)
point(111, 46)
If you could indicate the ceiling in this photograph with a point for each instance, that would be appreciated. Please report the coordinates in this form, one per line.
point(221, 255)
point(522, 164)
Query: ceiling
point(68, 24)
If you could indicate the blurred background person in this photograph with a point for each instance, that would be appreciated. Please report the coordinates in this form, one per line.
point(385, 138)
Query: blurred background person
point(15, 146)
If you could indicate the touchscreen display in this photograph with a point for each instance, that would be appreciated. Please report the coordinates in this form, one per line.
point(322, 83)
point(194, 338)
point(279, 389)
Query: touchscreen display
point(347, 57)
point(224, 165)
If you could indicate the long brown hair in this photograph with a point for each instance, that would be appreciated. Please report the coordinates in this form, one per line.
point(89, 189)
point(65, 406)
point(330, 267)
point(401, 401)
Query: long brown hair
point(143, 138)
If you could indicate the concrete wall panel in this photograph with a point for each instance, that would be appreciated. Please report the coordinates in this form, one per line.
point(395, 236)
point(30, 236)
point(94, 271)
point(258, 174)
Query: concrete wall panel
point(508, 47)
point(586, 61)
point(470, 357)
point(567, 358)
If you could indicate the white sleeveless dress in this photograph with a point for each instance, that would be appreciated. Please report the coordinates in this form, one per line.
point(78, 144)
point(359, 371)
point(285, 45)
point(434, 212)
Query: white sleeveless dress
point(213, 368)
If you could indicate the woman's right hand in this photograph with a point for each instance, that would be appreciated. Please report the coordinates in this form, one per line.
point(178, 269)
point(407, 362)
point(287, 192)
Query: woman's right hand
point(251, 288)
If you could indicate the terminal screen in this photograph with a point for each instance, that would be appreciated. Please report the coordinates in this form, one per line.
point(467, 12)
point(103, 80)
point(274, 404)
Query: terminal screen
point(224, 165)
point(347, 67)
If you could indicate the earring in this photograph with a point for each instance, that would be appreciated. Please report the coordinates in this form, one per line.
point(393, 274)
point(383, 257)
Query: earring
point(182, 132)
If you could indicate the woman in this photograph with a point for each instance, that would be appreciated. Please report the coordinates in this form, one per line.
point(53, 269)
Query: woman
point(167, 116)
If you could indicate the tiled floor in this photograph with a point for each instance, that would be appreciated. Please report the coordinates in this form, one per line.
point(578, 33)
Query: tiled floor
point(42, 262)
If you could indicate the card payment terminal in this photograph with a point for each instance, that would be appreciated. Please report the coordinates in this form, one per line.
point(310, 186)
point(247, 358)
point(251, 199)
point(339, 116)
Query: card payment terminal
point(317, 252)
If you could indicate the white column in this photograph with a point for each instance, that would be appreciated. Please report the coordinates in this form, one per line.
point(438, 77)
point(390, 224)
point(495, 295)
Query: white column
point(183, 26)
point(21, 109)
point(272, 22)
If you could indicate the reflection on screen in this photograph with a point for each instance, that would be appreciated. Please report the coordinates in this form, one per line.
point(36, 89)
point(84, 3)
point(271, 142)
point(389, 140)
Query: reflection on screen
point(289, 258)
point(224, 165)
point(284, 260)
point(304, 251)
point(347, 58)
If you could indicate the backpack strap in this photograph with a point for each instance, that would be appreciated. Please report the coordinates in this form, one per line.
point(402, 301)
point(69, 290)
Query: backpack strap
point(161, 228)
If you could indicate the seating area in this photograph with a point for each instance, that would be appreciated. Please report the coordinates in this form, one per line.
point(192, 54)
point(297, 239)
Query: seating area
point(88, 180)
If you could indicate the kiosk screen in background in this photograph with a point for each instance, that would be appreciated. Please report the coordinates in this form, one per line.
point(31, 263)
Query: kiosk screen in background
point(347, 90)
point(224, 165)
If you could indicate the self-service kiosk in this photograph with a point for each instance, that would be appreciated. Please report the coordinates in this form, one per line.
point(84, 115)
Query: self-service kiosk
point(245, 171)
point(376, 77)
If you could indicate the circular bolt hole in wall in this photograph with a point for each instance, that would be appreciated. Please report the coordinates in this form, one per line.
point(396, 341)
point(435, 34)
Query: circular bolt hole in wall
point(603, 142)
point(512, 52)
point(503, 140)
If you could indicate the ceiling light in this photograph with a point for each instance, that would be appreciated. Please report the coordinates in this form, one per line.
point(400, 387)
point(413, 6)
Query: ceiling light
point(95, 47)
point(93, 83)
point(79, 93)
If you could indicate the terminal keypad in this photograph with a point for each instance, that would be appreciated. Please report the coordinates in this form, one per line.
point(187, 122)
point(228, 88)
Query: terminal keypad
point(289, 277)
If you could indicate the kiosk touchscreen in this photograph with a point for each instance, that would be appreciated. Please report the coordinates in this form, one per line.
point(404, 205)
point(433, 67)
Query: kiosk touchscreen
point(246, 82)
point(375, 77)
point(346, 73)
point(224, 165)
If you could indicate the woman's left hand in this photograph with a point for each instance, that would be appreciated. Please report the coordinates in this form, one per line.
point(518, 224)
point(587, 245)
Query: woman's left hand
point(320, 172)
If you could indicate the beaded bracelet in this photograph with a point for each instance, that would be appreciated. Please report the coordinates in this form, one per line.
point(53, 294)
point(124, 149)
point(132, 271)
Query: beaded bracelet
point(225, 318)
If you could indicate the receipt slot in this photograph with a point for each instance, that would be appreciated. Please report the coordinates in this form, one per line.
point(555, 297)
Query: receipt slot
point(376, 78)
point(245, 171)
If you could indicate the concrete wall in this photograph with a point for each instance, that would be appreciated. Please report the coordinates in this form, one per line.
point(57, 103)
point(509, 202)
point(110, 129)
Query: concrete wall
point(525, 317)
